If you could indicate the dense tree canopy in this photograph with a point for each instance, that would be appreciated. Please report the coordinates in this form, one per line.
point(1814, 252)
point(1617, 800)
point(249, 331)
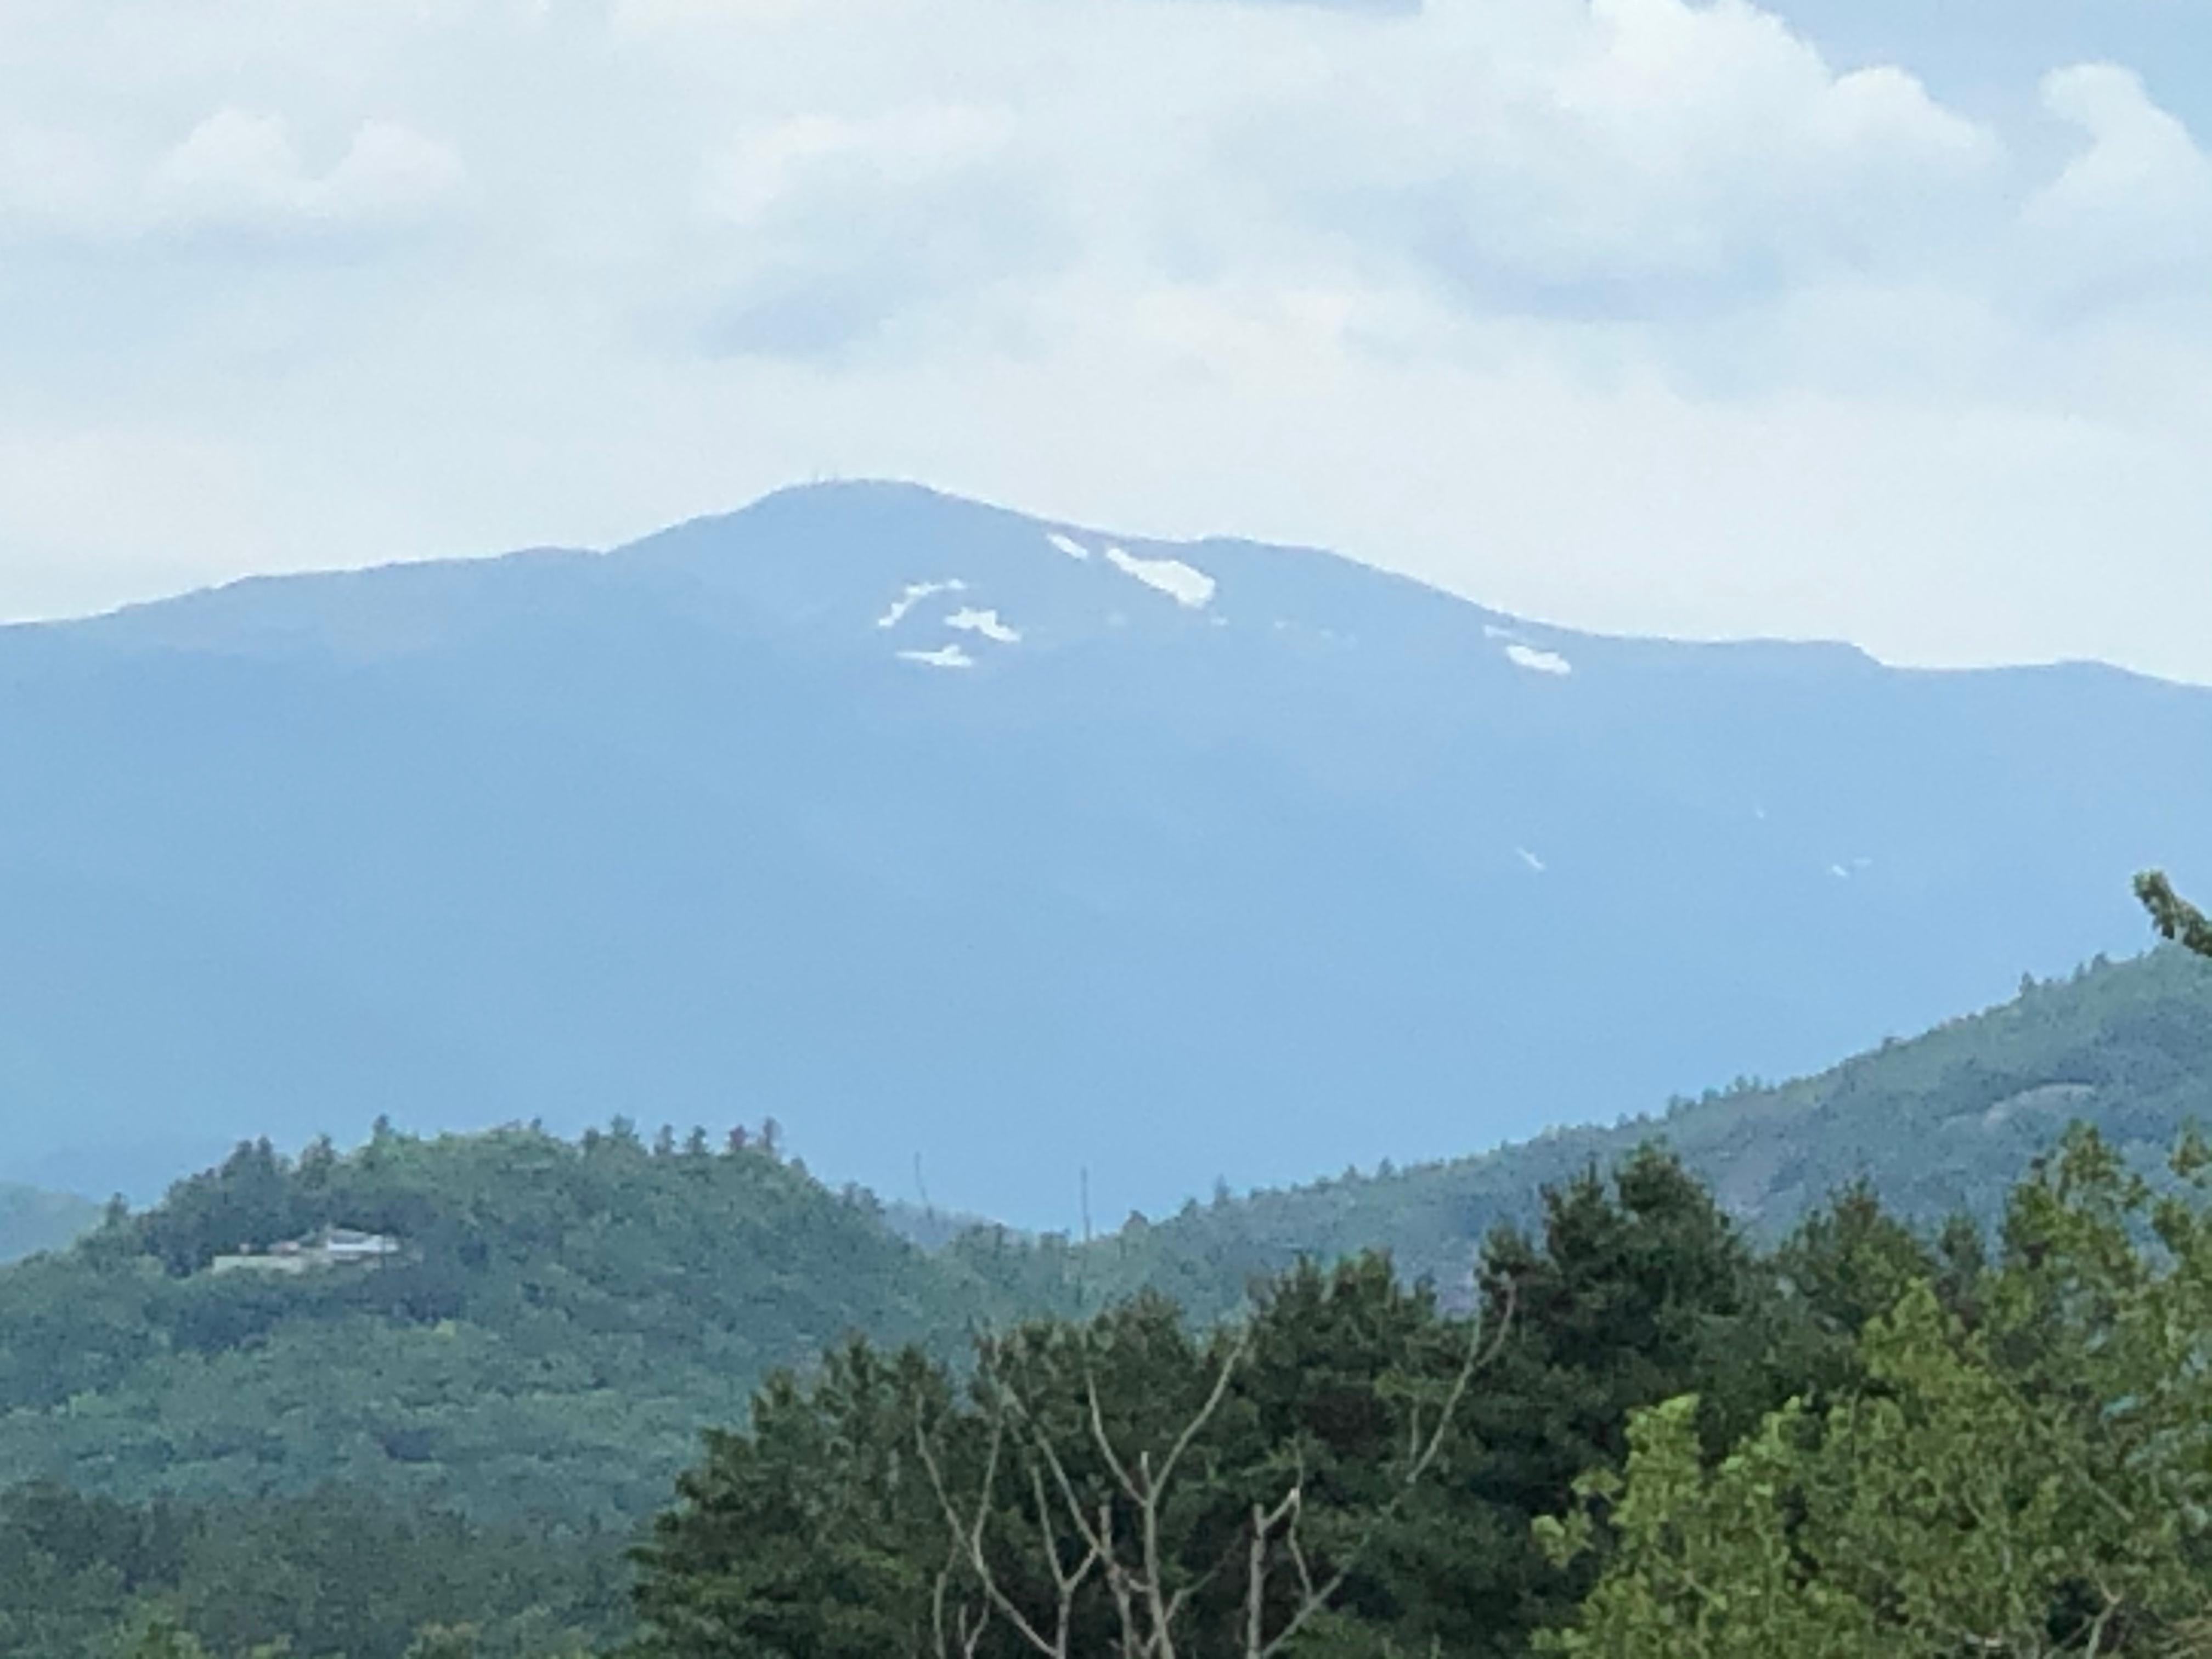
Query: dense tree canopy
point(2032, 1478)
point(1632, 1433)
point(559, 1321)
point(1607, 1418)
point(1348, 1436)
point(330, 1577)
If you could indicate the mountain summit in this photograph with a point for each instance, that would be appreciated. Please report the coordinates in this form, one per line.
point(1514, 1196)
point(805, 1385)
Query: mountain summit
point(988, 851)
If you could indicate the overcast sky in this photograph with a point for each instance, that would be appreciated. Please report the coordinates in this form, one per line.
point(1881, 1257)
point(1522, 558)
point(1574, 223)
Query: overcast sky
point(1884, 320)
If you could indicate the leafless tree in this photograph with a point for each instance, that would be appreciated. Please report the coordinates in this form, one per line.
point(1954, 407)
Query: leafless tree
point(1116, 1538)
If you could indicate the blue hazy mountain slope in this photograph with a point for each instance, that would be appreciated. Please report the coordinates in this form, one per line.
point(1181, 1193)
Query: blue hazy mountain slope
point(31, 1220)
point(1239, 860)
point(1943, 1124)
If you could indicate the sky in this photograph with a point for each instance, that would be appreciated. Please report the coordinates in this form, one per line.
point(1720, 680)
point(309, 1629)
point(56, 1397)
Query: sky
point(1888, 320)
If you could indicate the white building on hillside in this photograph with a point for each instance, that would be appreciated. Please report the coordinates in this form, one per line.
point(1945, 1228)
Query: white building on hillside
point(333, 1247)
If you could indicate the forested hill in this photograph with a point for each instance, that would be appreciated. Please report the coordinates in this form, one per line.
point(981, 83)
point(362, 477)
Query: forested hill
point(561, 1319)
point(556, 1325)
point(1942, 1123)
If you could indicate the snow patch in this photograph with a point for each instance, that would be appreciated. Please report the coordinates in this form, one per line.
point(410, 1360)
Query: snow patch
point(986, 622)
point(946, 656)
point(1532, 860)
point(913, 594)
point(1067, 545)
point(1538, 662)
point(1187, 585)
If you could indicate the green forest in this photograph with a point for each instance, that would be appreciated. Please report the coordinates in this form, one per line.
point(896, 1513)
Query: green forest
point(1907, 1358)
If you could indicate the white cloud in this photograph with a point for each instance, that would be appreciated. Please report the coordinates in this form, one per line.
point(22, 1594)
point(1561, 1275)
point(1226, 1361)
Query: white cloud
point(2139, 196)
point(240, 169)
point(646, 18)
point(388, 172)
point(1637, 313)
point(897, 150)
point(234, 168)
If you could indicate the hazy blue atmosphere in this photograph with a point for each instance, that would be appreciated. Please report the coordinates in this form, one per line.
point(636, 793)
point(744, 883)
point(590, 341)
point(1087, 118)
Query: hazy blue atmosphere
point(1028, 828)
point(1010, 847)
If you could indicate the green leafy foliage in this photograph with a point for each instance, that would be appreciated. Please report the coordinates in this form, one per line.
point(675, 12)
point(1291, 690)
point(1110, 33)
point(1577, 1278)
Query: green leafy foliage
point(1638, 1435)
point(565, 1316)
point(560, 1321)
point(1338, 1435)
point(2033, 1480)
point(330, 1577)
point(1844, 1370)
point(2174, 917)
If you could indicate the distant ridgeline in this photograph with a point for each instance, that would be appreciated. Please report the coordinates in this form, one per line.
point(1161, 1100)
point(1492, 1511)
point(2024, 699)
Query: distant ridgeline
point(550, 1323)
point(31, 1220)
point(1174, 834)
point(1940, 1125)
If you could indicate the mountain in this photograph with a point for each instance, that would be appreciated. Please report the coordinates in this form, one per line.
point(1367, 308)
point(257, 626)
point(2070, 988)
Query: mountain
point(32, 1221)
point(1943, 1124)
point(1002, 858)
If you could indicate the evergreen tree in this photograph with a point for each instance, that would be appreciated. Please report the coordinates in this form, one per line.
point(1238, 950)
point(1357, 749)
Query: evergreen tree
point(1338, 1452)
point(2034, 1484)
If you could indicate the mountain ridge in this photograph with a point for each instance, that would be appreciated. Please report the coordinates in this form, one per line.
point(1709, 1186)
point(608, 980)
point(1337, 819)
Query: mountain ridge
point(564, 1316)
point(710, 821)
point(1938, 1125)
point(1782, 646)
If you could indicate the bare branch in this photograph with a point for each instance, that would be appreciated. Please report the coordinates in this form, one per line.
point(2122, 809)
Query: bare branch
point(1314, 1599)
point(1256, 1580)
point(1134, 1563)
point(1105, 1441)
point(1197, 1424)
point(972, 1535)
point(1099, 1538)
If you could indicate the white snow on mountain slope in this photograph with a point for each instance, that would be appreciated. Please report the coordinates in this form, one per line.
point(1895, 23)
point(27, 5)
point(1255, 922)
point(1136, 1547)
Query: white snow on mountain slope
point(946, 656)
point(969, 620)
point(1187, 585)
point(1536, 661)
point(1067, 545)
point(913, 594)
